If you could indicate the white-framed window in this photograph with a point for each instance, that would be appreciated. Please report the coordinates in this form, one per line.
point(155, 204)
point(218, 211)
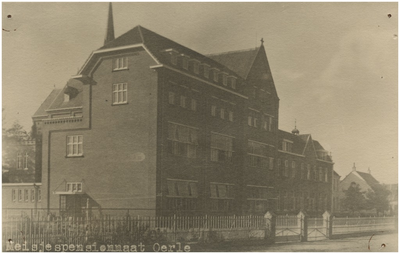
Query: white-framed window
point(75, 145)
point(19, 161)
point(193, 104)
point(286, 168)
point(257, 199)
point(287, 145)
point(270, 123)
point(222, 113)
point(257, 154)
point(13, 195)
point(271, 163)
point(171, 98)
point(196, 67)
point(19, 195)
point(26, 161)
point(230, 116)
point(182, 140)
point(33, 195)
point(255, 122)
point(206, 71)
point(120, 93)
point(121, 63)
point(265, 124)
point(224, 79)
point(250, 121)
point(213, 110)
point(182, 188)
point(215, 75)
point(222, 190)
point(73, 187)
point(308, 171)
point(39, 195)
point(26, 195)
point(183, 101)
point(185, 62)
point(233, 83)
point(326, 174)
point(221, 147)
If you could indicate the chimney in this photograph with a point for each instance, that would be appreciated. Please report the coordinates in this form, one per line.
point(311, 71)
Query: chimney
point(354, 167)
point(110, 26)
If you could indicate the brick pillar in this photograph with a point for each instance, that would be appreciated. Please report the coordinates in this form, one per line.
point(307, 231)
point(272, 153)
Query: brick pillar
point(270, 221)
point(327, 222)
point(302, 222)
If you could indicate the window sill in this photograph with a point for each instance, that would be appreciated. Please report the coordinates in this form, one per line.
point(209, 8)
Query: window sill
point(120, 69)
point(74, 156)
point(120, 103)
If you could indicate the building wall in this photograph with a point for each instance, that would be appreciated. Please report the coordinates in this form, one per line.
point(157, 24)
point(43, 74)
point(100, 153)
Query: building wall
point(119, 143)
point(21, 195)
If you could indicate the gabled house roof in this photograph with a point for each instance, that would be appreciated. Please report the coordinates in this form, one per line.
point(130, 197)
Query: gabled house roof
point(74, 101)
point(371, 181)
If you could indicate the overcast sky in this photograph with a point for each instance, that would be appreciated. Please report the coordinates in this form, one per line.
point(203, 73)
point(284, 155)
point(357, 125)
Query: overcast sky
point(334, 64)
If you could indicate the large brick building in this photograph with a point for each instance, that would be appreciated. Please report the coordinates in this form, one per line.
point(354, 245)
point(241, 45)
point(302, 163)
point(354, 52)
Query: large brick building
point(148, 123)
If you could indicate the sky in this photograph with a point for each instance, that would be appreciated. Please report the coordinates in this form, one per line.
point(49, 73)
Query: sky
point(334, 65)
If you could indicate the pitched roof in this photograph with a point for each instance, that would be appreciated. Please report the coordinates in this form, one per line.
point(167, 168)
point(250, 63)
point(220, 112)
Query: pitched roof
point(47, 102)
point(298, 141)
point(75, 101)
point(156, 44)
point(239, 61)
point(371, 181)
point(317, 145)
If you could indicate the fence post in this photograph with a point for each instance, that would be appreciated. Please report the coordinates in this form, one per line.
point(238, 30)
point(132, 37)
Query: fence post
point(327, 223)
point(302, 222)
point(270, 231)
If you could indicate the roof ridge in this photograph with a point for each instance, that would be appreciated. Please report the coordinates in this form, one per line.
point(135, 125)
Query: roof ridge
point(232, 51)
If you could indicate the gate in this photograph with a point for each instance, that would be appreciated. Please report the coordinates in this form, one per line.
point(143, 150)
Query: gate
point(288, 228)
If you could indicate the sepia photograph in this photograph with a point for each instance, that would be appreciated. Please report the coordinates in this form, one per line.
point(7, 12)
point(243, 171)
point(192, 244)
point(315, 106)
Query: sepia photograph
point(199, 127)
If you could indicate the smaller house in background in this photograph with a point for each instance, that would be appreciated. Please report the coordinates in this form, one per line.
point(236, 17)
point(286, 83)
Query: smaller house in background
point(336, 192)
point(393, 198)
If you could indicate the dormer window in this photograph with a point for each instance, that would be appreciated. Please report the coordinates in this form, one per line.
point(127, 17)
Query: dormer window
point(196, 66)
point(73, 187)
point(66, 97)
point(174, 59)
point(215, 75)
point(233, 82)
point(224, 79)
point(287, 145)
point(120, 63)
point(185, 62)
point(206, 71)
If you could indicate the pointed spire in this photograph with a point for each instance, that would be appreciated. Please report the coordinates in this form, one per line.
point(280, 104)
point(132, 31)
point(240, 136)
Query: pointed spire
point(295, 131)
point(354, 166)
point(110, 26)
point(262, 41)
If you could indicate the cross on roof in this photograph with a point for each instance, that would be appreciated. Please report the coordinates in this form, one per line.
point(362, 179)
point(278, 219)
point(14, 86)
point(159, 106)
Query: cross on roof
point(262, 41)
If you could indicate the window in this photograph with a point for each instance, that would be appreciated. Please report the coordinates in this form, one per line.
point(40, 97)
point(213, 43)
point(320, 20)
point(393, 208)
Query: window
point(26, 195)
point(250, 120)
point(19, 161)
point(257, 153)
point(265, 125)
point(293, 164)
point(183, 101)
point(233, 83)
point(26, 161)
point(121, 63)
point(321, 174)
point(230, 116)
point(255, 122)
point(271, 163)
point(196, 67)
point(315, 173)
point(286, 168)
point(302, 171)
point(120, 93)
point(193, 105)
point(215, 75)
point(73, 187)
point(181, 195)
point(171, 98)
point(221, 196)
point(293, 169)
point(182, 140)
point(13, 195)
point(185, 62)
point(213, 110)
point(270, 123)
point(221, 147)
point(33, 195)
point(326, 174)
point(174, 58)
point(206, 71)
point(222, 113)
point(308, 172)
point(287, 145)
point(63, 203)
point(224, 79)
point(19, 195)
point(75, 145)
point(257, 199)
point(39, 195)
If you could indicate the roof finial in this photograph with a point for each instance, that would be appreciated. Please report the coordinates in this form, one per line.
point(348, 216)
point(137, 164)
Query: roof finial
point(295, 131)
point(262, 41)
point(110, 26)
point(354, 166)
